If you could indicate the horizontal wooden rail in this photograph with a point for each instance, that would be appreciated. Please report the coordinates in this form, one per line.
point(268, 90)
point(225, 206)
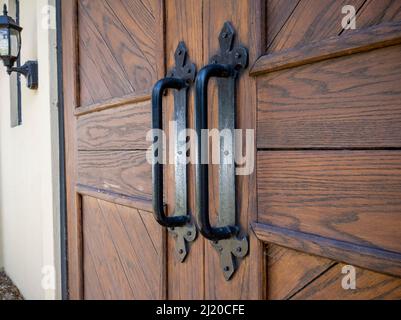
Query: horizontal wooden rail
point(366, 257)
point(121, 199)
point(112, 103)
point(353, 42)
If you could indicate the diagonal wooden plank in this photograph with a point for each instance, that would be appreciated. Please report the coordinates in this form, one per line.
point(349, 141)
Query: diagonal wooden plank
point(369, 286)
point(140, 73)
point(92, 287)
point(152, 229)
point(147, 257)
point(312, 21)
point(141, 27)
point(111, 273)
point(288, 271)
point(95, 46)
point(127, 252)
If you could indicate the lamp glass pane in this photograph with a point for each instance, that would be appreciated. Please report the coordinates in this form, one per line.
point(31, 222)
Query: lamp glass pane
point(14, 34)
point(4, 42)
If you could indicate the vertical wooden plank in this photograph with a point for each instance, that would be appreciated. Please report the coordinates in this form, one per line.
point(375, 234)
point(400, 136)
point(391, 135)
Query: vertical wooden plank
point(184, 23)
point(71, 100)
point(160, 39)
point(247, 18)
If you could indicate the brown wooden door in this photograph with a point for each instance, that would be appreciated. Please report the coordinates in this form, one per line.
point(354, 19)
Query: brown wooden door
point(328, 140)
point(325, 105)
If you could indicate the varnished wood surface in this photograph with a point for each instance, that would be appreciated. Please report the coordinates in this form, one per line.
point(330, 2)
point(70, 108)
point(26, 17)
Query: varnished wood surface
point(345, 195)
point(362, 40)
point(349, 102)
point(122, 129)
point(71, 100)
point(117, 49)
point(290, 271)
point(369, 286)
point(365, 257)
point(299, 276)
point(311, 21)
point(116, 263)
point(183, 23)
point(111, 61)
point(117, 198)
point(247, 18)
point(124, 172)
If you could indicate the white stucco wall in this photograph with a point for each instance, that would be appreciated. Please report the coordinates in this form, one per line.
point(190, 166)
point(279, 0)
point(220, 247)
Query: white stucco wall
point(29, 173)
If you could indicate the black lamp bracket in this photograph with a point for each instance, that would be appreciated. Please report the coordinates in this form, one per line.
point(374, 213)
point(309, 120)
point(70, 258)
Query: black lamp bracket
point(30, 71)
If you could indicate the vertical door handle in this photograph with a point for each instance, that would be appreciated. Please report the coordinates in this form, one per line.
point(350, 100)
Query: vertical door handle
point(179, 79)
point(225, 67)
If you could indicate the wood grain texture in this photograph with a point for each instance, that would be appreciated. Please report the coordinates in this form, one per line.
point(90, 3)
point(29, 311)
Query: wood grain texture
point(247, 18)
point(365, 257)
point(71, 100)
point(123, 172)
point(117, 49)
point(376, 12)
point(278, 13)
point(116, 264)
point(369, 286)
point(138, 203)
point(289, 271)
point(314, 107)
point(183, 23)
point(345, 195)
point(311, 21)
point(360, 40)
point(111, 130)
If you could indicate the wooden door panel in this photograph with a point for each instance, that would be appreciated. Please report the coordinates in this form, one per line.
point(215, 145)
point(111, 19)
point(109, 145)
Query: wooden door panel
point(248, 281)
point(370, 286)
point(350, 196)
point(111, 130)
point(289, 271)
point(121, 252)
point(349, 102)
point(300, 276)
point(112, 58)
point(296, 23)
point(122, 172)
point(310, 21)
point(328, 140)
point(183, 23)
point(117, 49)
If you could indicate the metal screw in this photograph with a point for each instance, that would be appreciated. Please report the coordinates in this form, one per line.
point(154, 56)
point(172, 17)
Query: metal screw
point(226, 153)
point(181, 251)
point(239, 249)
point(224, 35)
point(179, 52)
point(237, 55)
point(227, 268)
point(189, 233)
point(180, 152)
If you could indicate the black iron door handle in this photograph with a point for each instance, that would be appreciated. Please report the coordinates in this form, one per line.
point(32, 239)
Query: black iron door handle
point(225, 67)
point(202, 167)
point(157, 167)
point(179, 79)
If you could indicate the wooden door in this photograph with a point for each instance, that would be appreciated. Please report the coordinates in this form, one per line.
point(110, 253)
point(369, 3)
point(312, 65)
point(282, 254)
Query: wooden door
point(328, 140)
point(325, 106)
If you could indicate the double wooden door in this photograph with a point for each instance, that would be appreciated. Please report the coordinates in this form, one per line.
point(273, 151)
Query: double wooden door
point(324, 103)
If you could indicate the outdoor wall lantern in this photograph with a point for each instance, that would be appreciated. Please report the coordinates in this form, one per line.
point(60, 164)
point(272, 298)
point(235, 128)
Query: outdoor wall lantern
point(10, 48)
